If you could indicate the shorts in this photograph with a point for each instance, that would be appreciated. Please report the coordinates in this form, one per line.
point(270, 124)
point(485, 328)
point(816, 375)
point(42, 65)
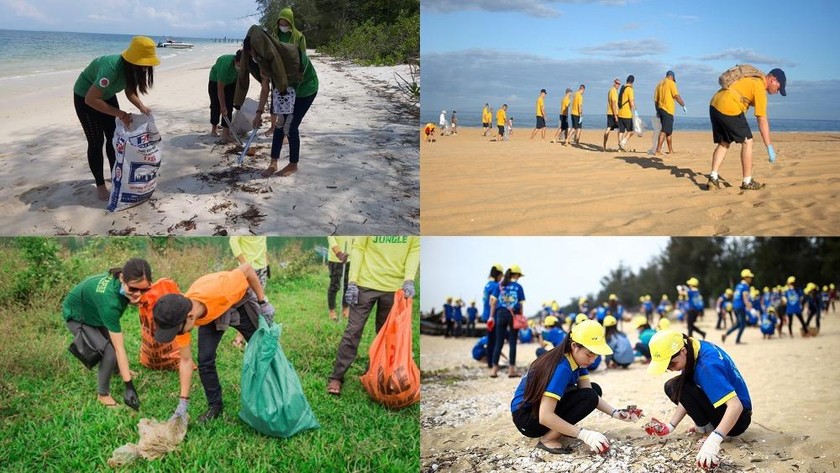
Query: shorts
point(667, 121)
point(625, 124)
point(540, 122)
point(728, 128)
point(501, 130)
point(485, 124)
point(564, 122)
point(576, 122)
point(611, 124)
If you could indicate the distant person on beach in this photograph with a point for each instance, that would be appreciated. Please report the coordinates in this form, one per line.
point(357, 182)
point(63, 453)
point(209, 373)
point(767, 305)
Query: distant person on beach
point(453, 120)
point(492, 284)
point(95, 307)
point(622, 356)
point(793, 297)
point(429, 132)
point(442, 123)
point(221, 87)
point(507, 300)
point(472, 315)
point(501, 121)
point(552, 335)
point(509, 133)
point(563, 124)
point(640, 323)
point(741, 304)
point(626, 110)
point(710, 389)
point(540, 115)
point(612, 111)
point(95, 100)
point(813, 301)
point(577, 115)
point(724, 308)
point(663, 102)
point(729, 122)
point(556, 393)
point(695, 306)
point(486, 117)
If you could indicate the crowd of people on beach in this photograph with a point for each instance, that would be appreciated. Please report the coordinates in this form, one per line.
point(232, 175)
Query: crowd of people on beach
point(742, 87)
point(277, 59)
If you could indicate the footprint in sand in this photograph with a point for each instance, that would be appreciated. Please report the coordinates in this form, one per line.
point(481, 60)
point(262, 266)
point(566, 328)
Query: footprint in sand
point(719, 213)
point(721, 230)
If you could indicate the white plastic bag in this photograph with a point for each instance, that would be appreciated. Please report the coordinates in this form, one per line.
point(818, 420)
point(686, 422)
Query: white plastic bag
point(243, 118)
point(657, 127)
point(638, 125)
point(135, 172)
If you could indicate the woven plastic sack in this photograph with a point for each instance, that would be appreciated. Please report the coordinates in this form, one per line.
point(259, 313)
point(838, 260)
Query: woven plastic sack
point(393, 378)
point(154, 355)
point(272, 398)
point(135, 172)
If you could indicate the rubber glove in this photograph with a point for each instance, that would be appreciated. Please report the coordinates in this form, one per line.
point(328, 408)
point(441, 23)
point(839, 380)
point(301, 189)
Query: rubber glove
point(130, 397)
point(656, 427)
point(685, 110)
point(408, 289)
point(772, 153)
point(351, 295)
point(596, 441)
point(267, 309)
point(708, 455)
point(581, 120)
point(181, 410)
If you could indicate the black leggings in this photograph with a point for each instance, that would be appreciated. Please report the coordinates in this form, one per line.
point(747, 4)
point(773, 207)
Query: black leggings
point(692, 318)
point(504, 325)
point(573, 407)
point(99, 129)
point(208, 342)
point(216, 106)
point(701, 410)
point(801, 321)
point(302, 105)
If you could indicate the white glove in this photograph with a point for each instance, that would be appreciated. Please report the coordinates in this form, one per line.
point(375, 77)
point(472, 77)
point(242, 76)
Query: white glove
point(708, 455)
point(596, 441)
point(685, 110)
point(625, 415)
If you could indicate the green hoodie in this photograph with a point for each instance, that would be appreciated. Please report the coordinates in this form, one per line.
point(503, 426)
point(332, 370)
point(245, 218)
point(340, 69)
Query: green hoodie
point(309, 85)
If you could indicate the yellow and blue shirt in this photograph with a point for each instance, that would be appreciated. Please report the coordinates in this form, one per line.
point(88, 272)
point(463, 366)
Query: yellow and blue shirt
point(554, 335)
point(794, 300)
point(567, 373)
point(510, 296)
point(738, 295)
point(489, 289)
point(717, 376)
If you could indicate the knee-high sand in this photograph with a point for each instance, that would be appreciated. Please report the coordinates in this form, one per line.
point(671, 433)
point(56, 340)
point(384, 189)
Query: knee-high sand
point(358, 162)
point(473, 185)
point(793, 383)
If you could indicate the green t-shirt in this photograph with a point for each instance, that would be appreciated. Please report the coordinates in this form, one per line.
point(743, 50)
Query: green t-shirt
point(98, 299)
point(106, 73)
point(224, 71)
point(309, 85)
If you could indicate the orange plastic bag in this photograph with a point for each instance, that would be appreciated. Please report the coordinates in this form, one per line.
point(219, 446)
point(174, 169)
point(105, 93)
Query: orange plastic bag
point(154, 355)
point(393, 378)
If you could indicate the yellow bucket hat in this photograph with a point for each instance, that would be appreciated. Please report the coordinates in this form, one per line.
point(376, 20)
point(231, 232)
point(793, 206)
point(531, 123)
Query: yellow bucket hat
point(746, 273)
point(638, 321)
point(141, 52)
point(610, 321)
point(664, 324)
point(581, 318)
point(663, 346)
point(590, 334)
point(693, 282)
point(516, 269)
point(550, 321)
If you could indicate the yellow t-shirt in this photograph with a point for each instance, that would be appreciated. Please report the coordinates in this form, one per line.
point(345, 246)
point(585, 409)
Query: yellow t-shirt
point(541, 106)
point(577, 104)
point(500, 117)
point(344, 243)
point(664, 95)
point(383, 263)
point(218, 292)
point(612, 97)
point(485, 115)
point(564, 105)
point(252, 248)
point(624, 111)
point(728, 101)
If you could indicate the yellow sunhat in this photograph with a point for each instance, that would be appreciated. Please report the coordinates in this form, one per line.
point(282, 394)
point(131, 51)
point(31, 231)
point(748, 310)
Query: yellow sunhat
point(638, 321)
point(746, 273)
point(693, 282)
point(664, 324)
point(550, 321)
point(499, 267)
point(663, 346)
point(610, 321)
point(516, 269)
point(791, 279)
point(590, 334)
point(141, 52)
point(581, 318)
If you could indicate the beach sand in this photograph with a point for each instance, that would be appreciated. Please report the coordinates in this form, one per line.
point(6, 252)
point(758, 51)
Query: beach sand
point(472, 185)
point(466, 423)
point(358, 172)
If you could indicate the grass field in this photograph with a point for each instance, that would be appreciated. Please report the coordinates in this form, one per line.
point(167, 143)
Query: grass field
point(50, 419)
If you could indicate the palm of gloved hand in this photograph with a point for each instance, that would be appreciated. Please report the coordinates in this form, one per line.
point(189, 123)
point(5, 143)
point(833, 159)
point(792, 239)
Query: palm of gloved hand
point(131, 399)
point(596, 440)
point(408, 289)
point(351, 295)
point(708, 455)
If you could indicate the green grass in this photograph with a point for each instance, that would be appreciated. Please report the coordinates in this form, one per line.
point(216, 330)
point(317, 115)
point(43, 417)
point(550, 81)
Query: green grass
point(50, 419)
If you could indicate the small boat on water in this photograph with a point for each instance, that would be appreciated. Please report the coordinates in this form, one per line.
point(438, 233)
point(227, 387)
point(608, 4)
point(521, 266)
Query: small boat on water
point(172, 44)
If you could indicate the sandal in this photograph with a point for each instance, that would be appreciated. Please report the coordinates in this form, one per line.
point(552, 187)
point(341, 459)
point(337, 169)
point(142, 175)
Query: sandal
point(555, 450)
point(334, 387)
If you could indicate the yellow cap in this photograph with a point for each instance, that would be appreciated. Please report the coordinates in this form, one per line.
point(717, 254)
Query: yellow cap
point(766, 289)
point(609, 321)
point(746, 273)
point(771, 309)
point(825, 288)
point(548, 346)
point(516, 269)
point(550, 321)
point(791, 279)
point(141, 52)
point(664, 297)
point(693, 282)
point(647, 297)
point(613, 297)
point(663, 346)
point(568, 319)
point(664, 324)
point(831, 286)
point(641, 298)
point(638, 321)
point(590, 334)
point(810, 287)
point(499, 267)
point(581, 318)
point(728, 291)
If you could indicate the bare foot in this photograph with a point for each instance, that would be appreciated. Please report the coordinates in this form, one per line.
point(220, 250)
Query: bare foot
point(102, 193)
point(271, 169)
point(333, 316)
point(214, 133)
point(345, 312)
point(288, 170)
point(106, 400)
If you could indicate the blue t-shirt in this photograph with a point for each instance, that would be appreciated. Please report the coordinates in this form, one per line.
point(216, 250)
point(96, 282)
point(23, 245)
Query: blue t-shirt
point(449, 310)
point(695, 299)
point(457, 314)
point(554, 335)
point(489, 288)
point(510, 296)
point(622, 351)
point(738, 296)
point(646, 335)
point(600, 313)
point(526, 335)
point(716, 375)
point(567, 373)
point(472, 313)
point(648, 306)
point(479, 351)
point(794, 300)
point(662, 307)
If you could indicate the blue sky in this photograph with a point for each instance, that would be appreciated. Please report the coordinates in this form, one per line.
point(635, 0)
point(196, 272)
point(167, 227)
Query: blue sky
point(186, 18)
point(556, 268)
point(477, 51)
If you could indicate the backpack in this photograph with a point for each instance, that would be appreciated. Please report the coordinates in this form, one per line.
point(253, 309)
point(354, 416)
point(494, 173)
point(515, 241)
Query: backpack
point(740, 71)
point(154, 355)
point(620, 95)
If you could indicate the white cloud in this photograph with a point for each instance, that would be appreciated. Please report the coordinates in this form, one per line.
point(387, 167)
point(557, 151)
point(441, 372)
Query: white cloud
point(742, 55)
point(537, 8)
point(627, 48)
point(24, 9)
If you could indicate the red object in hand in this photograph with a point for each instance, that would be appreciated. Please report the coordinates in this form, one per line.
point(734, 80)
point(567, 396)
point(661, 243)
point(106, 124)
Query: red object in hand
point(634, 411)
point(656, 427)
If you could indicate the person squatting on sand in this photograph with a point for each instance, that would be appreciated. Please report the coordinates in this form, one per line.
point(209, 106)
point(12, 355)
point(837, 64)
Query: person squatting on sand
point(612, 111)
point(729, 124)
point(663, 102)
point(95, 100)
point(710, 389)
point(221, 87)
point(95, 306)
point(556, 393)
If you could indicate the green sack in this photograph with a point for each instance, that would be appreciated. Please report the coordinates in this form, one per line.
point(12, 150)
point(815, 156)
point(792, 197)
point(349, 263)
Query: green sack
point(273, 402)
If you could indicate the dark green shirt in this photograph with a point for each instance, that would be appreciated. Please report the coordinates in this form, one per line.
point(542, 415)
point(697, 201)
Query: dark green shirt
point(309, 85)
point(224, 71)
point(97, 299)
point(105, 74)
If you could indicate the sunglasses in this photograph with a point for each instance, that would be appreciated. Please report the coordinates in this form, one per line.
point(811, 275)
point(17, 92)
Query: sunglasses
point(137, 290)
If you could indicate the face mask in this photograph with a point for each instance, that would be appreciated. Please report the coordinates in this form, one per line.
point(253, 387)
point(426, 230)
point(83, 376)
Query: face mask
point(285, 29)
point(122, 291)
